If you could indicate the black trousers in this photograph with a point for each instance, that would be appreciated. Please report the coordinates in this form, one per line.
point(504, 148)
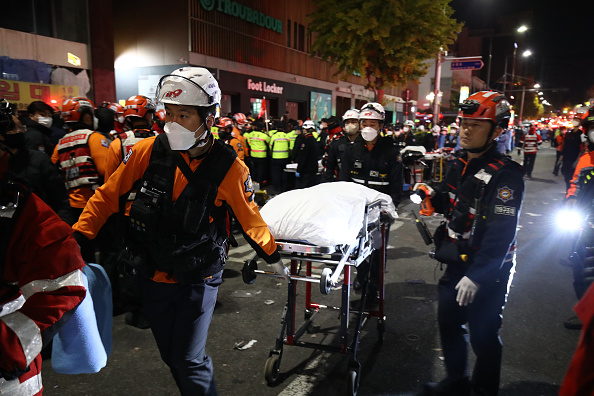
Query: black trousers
point(557, 163)
point(260, 170)
point(278, 175)
point(529, 163)
point(483, 319)
point(306, 180)
point(180, 316)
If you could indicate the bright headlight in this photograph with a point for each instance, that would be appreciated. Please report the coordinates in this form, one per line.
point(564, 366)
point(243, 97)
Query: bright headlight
point(569, 219)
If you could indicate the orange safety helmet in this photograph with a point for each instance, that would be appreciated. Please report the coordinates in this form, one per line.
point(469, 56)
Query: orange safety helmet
point(72, 108)
point(116, 108)
point(161, 114)
point(240, 118)
point(138, 106)
point(224, 121)
point(487, 105)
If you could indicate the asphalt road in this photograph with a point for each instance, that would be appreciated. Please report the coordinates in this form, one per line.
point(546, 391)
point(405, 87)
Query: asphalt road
point(537, 348)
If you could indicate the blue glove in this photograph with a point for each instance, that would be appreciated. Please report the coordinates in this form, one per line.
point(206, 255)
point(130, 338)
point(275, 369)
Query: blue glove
point(297, 174)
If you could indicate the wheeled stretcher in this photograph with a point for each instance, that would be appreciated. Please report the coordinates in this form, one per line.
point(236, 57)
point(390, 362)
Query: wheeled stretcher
point(337, 262)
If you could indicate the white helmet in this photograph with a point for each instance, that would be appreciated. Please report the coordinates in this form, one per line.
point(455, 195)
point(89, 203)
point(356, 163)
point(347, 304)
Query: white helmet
point(352, 114)
point(372, 111)
point(454, 125)
point(421, 128)
point(409, 123)
point(191, 86)
point(309, 124)
point(436, 128)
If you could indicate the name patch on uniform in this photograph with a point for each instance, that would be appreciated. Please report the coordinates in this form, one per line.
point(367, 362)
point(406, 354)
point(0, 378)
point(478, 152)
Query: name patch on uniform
point(505, 194)
point(127, 157)
point(104, 143)
point(505, 210)
point(249, 188)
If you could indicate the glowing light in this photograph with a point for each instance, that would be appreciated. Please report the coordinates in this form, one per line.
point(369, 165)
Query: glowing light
point(522, 29)
point(73, 59)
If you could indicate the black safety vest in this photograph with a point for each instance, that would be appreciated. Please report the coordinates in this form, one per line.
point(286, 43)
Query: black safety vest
point(374, 170)
point(177, 236)
point(466, 198)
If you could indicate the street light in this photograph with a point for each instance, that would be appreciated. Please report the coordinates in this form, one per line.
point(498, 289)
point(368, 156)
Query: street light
point(526, 53)
point(520, 29)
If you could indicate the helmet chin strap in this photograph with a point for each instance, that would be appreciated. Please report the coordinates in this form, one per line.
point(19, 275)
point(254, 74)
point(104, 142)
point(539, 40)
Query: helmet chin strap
point(487, 144)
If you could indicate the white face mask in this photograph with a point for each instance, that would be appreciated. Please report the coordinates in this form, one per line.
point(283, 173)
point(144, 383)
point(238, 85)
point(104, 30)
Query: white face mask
point(351, 129)
point(120, 119)
point(591, 136)
point(406, 129)
point(575, 123)
point(368, 134)
point(95, 123)
point(45, 121)
point(181, 138)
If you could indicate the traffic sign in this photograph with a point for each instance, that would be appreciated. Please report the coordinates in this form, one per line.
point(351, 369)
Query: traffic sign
point(467, 65)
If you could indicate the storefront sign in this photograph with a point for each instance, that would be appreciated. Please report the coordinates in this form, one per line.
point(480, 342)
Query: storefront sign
point(243, 12)
point(262, 86)
point(23, 93)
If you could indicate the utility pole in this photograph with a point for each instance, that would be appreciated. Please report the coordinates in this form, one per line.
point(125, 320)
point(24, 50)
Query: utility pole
point(438, 63)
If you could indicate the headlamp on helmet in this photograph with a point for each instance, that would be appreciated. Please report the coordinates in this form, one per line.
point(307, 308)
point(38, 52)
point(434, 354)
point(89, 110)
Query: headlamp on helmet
point(487, 105)
point(372, 111)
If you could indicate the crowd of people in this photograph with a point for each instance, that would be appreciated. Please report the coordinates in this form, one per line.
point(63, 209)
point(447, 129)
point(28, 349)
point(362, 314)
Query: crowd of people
point(149, 190)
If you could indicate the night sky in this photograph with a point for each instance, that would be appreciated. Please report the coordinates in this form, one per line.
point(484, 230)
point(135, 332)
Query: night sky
point(561, 37)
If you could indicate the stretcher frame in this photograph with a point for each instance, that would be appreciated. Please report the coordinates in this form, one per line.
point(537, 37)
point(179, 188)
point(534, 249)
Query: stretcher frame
point(371, 237)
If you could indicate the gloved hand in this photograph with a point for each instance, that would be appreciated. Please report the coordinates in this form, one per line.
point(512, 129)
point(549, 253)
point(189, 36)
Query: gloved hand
point(279, 268)
point(424, 187)
point(297, 174)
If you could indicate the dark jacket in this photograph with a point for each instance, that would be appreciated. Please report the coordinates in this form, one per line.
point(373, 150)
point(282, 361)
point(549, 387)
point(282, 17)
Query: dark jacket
point(38, 138)
point(379, 168)
point(499, 210)
point(335, 152)
point(306, 155)
point(40, 175)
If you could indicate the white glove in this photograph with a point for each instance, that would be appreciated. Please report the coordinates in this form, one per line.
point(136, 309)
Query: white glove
point(279, 268)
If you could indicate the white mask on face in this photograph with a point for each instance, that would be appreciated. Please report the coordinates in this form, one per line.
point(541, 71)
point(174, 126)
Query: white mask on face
point(181, 138)
point(45, 121)
point(351, 129)
point(591, 135)
point(368, 134)
point(406, 129)
point(575, 123)
point(95, 123)
point(120, 119)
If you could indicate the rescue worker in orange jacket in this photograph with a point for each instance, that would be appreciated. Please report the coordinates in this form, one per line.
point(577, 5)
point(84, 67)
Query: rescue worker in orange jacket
point(227, 135)
point(558, 143)
point(177, 232)
point(138, 113)
point(80, 156)
point(41, 284)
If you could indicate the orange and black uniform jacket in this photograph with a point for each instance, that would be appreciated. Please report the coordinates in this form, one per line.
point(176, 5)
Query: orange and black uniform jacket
point(235, 189)
point(586, 162)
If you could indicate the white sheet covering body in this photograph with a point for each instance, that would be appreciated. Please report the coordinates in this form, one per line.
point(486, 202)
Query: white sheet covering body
point(328, 214)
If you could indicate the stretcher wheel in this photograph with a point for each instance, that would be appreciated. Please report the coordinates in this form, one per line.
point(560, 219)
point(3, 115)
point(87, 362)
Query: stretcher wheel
point(271, 369)
point(352, 382)
point(381, 329)
point(325, 281)
point(248, 273)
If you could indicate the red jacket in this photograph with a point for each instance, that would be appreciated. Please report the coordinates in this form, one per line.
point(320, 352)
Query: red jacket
point(40, 283)
point(579, 379)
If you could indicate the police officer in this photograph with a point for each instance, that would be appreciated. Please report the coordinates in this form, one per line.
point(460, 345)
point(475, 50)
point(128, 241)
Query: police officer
point(337, 146)
point(481, 197)
point(306, 154)
point(280, 153)
point(178, 236)
point(373, 161)
point(258, 141)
